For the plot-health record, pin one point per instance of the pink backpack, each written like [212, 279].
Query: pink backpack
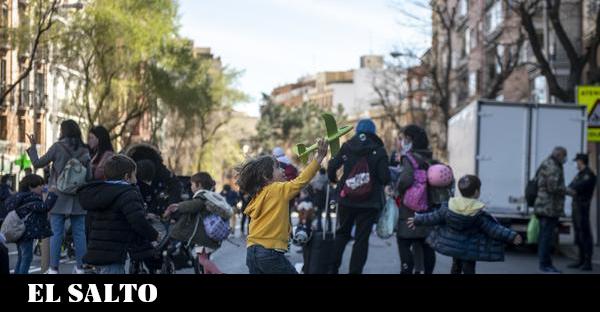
[415, 198]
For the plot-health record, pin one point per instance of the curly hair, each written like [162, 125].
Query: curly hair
[255, 174]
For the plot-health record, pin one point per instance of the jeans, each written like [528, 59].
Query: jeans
[25, 250]
[583, 230]
[364, 218]
[57, 222]
[407, 256]
[462, 266]
[261, 260]
[4, 265]
[116, 268]
[548, 227]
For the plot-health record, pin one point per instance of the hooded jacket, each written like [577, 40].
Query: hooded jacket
[361, 145]
[118, 222]
[466, 232]
[189, 211]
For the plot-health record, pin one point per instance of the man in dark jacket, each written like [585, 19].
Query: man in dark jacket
[119, 217]
[582, 189]
[364, 145]
[550, 205]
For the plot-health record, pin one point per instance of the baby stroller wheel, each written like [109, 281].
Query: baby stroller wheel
[168, 267]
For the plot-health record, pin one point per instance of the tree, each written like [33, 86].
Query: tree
[112, 43]
[578, 61]
[200, 95]
[29, 36]
[447, 21]
[397, 96]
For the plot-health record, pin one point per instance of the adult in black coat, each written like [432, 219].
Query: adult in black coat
[582, 189]
[360, 213]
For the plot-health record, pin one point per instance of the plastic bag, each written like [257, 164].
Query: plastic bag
[533, 230]
[388, 219]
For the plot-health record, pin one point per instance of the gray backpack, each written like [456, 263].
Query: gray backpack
[13, 227]
[73, 175]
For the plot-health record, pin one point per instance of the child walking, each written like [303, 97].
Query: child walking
[466, 232]
[270, 226]
[189, 211]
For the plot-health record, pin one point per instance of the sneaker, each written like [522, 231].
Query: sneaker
[77, 270]
[549, 270]
[51, 271]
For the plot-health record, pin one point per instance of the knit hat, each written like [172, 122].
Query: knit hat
[279, 153]
[366, 126]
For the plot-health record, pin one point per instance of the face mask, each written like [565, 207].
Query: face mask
[406, 147]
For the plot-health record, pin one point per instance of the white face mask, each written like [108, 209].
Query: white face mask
[406, 147]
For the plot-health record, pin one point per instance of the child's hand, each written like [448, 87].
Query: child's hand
[171, 209]
[322, 150]
[518, 240]
[411, 223]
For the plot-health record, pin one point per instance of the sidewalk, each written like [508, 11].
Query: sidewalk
[571, 252]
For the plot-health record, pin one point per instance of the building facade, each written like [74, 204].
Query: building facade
[25, 108]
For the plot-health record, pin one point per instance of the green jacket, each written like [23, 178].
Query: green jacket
[550, 201]
[189, 211]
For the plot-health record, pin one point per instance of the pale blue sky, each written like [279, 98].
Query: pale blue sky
[277, 41]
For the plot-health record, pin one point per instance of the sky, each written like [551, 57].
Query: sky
[275, 42]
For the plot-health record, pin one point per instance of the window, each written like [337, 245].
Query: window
[37, 130]
[473, 39]
[539, 90]
[4, 17]
[24, 91]
[467, 42]
[39, 89]
[500, 55]
[2, 74]
[22, 125]
[3, 128]
[463, 7]
[472, 83]
[494, 17]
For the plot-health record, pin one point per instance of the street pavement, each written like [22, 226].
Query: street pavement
[383, 259]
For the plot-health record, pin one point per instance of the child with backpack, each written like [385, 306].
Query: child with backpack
[202, 221]
[29, 206]
[465, 231]
[270, 226]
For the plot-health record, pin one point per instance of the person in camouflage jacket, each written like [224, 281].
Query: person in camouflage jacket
[549, 205]
[550, 201]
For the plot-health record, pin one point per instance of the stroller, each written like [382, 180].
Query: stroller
[170, 255]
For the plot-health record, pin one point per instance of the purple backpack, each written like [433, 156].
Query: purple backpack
[415, 198]
[216, 227]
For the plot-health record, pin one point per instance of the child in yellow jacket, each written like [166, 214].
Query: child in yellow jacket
[270, 227]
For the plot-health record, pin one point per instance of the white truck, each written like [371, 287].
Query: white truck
[504, 143]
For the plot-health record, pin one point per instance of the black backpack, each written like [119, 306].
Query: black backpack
[531, 191]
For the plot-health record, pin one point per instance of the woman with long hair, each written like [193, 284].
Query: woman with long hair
[101, 150]
[69, 146]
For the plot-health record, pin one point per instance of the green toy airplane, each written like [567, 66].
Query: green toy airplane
[333, 137]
